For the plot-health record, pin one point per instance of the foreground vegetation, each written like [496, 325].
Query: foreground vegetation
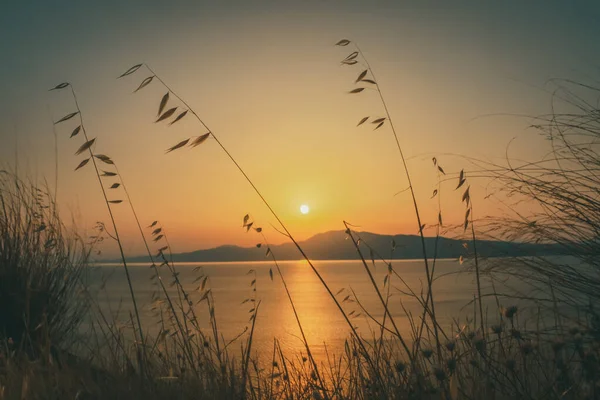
[44, 295]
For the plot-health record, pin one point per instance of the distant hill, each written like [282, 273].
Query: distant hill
[334, 245]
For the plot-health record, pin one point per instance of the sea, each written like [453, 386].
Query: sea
[239, 287]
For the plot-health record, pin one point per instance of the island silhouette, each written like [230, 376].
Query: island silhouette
[336, 245]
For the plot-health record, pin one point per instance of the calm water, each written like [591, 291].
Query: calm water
[230, 284]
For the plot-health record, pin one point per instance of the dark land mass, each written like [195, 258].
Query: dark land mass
[335, 245]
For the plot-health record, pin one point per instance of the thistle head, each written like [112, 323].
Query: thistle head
[497, 329]
[400, 367]
[510, 312]
[427, 353]
[439, 373]
[526, 347]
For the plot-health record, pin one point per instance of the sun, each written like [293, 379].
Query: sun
[304, 209]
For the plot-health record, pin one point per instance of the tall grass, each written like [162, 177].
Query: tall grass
[561, 190]
[367, 77]
[87, 148]
[42, 269]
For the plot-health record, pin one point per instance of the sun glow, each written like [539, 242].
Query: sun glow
[304, 209]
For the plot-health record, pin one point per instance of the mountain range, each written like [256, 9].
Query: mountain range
[336, 245]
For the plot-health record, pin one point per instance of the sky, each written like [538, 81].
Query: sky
[459, 80]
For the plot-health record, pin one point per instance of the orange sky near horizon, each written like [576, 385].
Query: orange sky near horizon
[269, 84]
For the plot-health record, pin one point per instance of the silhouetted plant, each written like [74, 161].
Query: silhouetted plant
[86, 148]
[561, 190]
[367, 77]
[42, 295]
